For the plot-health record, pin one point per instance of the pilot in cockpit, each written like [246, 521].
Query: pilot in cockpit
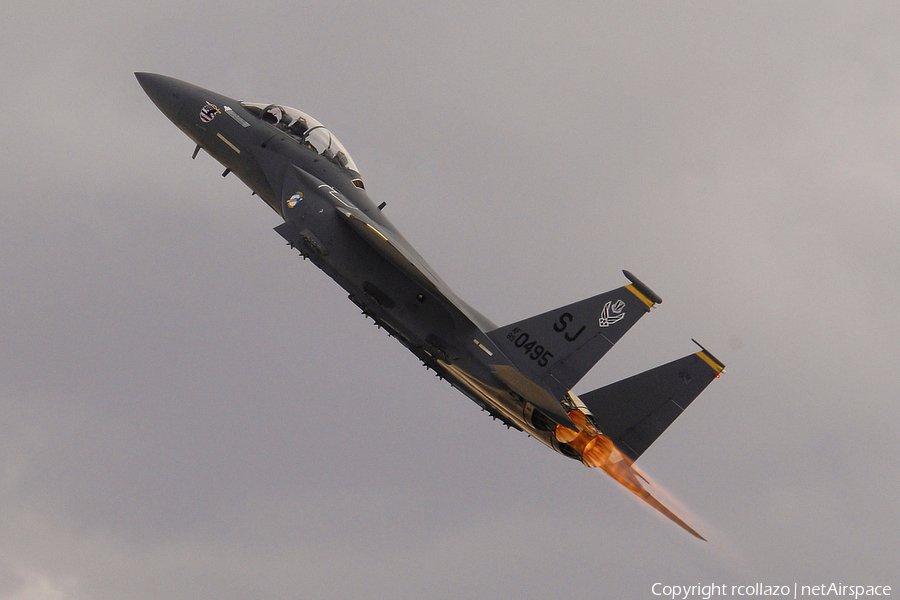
[298, 127]
[306, 131]
[273, 114]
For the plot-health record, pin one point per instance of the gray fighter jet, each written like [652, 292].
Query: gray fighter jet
[522, 373]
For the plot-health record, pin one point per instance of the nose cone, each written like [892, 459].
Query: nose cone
[167, 93]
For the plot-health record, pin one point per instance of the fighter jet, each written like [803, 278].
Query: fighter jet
[522, 373]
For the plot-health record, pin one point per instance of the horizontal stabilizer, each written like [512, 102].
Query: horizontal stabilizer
[557, 348]
[635, 411]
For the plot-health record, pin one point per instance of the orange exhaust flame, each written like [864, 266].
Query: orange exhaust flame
[598, 451]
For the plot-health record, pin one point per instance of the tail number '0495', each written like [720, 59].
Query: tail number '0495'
[533, 350]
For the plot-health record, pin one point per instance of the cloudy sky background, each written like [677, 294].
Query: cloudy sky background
[187, 410]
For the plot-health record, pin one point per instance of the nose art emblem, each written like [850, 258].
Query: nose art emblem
[209, 112]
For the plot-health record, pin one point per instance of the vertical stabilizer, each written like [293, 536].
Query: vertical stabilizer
[635, 411]
[560, 346]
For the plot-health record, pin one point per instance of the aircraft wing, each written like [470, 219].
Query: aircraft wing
[386, 244]
[381, 239]
[385, 241]
[634, 412]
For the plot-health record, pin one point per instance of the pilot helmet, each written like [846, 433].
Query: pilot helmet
[273, 114]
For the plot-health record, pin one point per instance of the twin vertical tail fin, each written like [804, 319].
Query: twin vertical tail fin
[634, 412]
[551, 352]
[557, 348]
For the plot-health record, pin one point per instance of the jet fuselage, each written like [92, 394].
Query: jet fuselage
[521, 373]
[324, 204]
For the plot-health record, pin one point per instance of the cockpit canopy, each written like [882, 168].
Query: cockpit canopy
[305, 130]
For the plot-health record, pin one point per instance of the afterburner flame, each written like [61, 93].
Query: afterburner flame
[598, 451]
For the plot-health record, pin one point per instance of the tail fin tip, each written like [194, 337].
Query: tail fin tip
[717, 365]
[643, 288]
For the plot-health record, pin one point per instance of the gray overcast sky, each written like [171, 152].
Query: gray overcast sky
[187, 410]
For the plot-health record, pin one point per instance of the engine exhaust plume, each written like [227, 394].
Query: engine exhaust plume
[597, 451]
